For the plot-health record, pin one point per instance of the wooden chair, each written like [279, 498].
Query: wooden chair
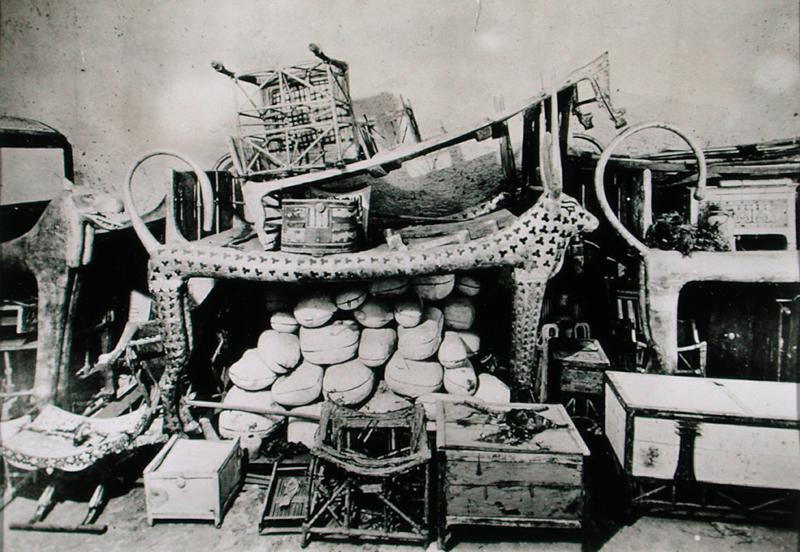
[693, 356]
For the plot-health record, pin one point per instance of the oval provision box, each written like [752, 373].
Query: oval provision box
[234, 423]
[434, 287]
[388, 287]
[348, 383]
[377, 345]
[421, 342]
[331, 344]
[375, 313]
[251, 373]
[301, 387]
[279, 351]
[350, 298]
[452, 352]
[283, 322]
[468, 285]
[412, 378]
[459, 313]
[315, 310]
[408, 311]
[301, 430]
[461, 381]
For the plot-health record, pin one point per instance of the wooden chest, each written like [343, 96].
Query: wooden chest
[321, 226]
[579, 365]
[719, 431]
[535, 483]
[193, 479]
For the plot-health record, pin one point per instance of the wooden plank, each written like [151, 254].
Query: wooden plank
[561, 439]
[511, 521]
[655, 448]
[678, 393]
[743, 400]
[748, 456]
[505, 469]
[615, 418]
[477, 227]
[514, 500]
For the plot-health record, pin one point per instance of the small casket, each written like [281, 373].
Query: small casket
[421, 342]
[279, 351]
[434, 287]
[331, 344]
[192, 479]
[315, 310]
[301, 387]
[348, 383]
[412, 378]
[377, 345]
[251, 373]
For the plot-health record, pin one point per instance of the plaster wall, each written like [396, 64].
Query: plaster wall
[123, 77]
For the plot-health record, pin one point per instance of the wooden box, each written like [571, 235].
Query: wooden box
[538, 483]
[321, 226]
[193, 479]
[703, 445]
[579, 365]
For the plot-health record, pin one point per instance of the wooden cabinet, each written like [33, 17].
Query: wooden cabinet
[670, 433]
[535, 483]
[192, 479]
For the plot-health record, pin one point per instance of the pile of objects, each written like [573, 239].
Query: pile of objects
[375, 346]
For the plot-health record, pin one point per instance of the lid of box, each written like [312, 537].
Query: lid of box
[511, 427]
[579, 352]
[709, 396]
[188, 455]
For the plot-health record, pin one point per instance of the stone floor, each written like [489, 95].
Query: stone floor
[128, 532]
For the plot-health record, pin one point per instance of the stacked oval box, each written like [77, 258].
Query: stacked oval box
[375, 345]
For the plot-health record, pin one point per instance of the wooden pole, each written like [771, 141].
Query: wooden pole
[253, 409]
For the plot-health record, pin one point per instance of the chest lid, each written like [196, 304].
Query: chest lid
[514, 427]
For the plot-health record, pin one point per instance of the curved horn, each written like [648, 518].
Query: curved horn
[148, 240]
[600, 170]
[556, 172]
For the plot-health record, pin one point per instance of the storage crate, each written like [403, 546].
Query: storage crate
[193, 479]
[535, 483]
[686, 443]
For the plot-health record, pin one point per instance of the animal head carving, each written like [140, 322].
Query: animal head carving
[575, 218]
